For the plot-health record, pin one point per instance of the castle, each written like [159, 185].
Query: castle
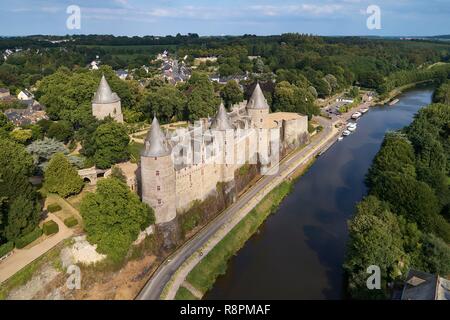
[106, 103]
[184, 165]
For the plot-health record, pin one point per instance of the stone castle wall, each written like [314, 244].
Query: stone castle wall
[103, 110]
[158, 186]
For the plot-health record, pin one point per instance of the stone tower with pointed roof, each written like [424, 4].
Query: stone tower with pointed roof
[158, 175]
[257, 107]
[106, 103]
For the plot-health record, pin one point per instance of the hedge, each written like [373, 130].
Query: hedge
[50, 227]
[70, 221]
[28, 238]
[6, 248]
[54, 207]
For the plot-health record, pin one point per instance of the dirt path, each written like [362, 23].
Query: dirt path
[22, 257]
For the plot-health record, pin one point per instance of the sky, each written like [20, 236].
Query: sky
[225, 17]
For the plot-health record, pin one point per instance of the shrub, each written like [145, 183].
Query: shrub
[70, 221]
[54, 207]
[50, 227]
[28, 238]
[6, 248]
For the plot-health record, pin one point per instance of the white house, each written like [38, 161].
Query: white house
[25, 95]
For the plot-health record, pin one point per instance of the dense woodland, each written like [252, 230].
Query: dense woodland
[294, 71]
[405, 221]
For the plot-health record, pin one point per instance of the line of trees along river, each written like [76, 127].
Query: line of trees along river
[299, 251]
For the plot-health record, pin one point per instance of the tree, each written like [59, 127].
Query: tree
[5, 124]
[111, 144]
[61, 131]
[61, 177]
[22, 217]
[437, 254]
[290, 98]
[21, 135]
[113, 217]
[166, 102]
[232, 93]
[43, 150]
[396, 155]
[442, 94]
[375, 239]
[201, 100]
[20, 206]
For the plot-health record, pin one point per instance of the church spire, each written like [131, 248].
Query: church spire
[104, 93]
[156, 144]
[222, 120]
[257, 100]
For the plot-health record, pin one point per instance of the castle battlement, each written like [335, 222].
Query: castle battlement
[180, 167]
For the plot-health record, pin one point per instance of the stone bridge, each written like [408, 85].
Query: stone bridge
[91, 175]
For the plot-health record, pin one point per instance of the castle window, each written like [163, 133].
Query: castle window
[156, 158]
[157, 172]
[159, 201]
[158, 188]
[261, 120]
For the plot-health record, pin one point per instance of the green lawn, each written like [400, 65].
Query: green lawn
[214, 264]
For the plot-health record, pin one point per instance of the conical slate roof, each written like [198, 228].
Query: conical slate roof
[156, 144]
[104, 93]
[257, 100]
[222, 120]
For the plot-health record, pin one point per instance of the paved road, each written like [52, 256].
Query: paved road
[164, 273]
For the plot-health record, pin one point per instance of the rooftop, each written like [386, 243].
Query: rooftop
[104, 93]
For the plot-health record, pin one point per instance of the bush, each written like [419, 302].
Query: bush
[54, 207]
[6, 248]
[50, 227]
[70, 221]
[28, 238]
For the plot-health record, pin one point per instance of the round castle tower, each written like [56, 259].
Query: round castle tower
[158, 175]
[106, 103]
[257, 107]
[223, 124]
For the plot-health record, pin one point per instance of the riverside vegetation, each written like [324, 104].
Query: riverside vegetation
[404, 222]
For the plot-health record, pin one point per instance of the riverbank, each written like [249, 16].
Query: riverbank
[170, 276]
[399, 90]
[204, 274]
[299, 252]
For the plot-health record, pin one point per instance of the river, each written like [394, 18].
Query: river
[298, 252]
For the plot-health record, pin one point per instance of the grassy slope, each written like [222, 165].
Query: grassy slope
[214, 264]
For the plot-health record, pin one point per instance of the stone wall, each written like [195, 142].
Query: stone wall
[103, 110]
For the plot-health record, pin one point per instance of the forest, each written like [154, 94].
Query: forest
[404, 222]
[294, 71]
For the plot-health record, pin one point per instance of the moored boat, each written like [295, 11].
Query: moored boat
[394, 102]
[356, 115]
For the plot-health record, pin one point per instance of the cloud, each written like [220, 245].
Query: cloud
[298, 9]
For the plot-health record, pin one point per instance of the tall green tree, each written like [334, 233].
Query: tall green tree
[166, 102]
[61, 177]
[375, 239]
[231, 93]
[111, 144]
[201, 99]
[20, 205]
[113, 217]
